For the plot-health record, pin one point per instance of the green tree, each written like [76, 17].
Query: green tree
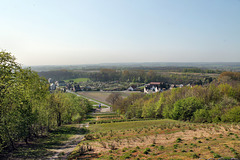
[184, 108]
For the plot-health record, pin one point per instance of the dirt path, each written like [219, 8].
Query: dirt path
[63, 151]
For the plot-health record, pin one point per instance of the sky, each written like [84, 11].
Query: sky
[72, 32]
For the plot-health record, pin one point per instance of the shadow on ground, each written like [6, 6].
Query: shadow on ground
[40, 148]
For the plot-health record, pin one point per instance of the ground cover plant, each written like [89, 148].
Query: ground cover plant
[160, 139]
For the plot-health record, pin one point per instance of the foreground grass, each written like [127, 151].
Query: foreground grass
[41, 148]
[159, 139]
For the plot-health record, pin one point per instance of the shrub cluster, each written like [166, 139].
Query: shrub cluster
[216, 102]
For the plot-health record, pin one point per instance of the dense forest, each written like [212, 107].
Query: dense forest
[218, 101]
[27, 109]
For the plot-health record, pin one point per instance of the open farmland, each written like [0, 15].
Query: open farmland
[159, 139]
[102, 95]
[77, 80]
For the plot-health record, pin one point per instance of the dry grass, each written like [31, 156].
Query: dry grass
[130, 139]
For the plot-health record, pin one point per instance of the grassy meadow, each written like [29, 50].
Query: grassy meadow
[158, 139]
[77, 80]
[101, 96]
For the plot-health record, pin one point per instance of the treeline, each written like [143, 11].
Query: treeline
[216, 102]
[105, 75]
[141, 76]
[131, 75]
[27, 108]
[199, 70]
[59, 75]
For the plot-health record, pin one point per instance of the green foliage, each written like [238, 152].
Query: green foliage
[179, 140]
[215, 155]
[209, 103]
[184, 108]
[147, 150]
[195, 155]
[201, 116]
[78, 80]
[233, 115]
[27, 109]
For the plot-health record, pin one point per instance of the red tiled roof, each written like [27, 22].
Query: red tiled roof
[155, 83]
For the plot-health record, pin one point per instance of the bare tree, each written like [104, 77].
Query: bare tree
[113, 98]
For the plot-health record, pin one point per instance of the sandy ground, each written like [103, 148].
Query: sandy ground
[63, 151]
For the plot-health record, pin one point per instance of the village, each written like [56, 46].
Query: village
[152, 87]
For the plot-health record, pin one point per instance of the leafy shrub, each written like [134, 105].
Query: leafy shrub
[215, 155]
[124, 149]
[179, 140]
[233, 115]
[175, 146]
[184, 108]
[133, 151]
[147, 150]
[161, 147]
[127, 155]
[201, 116]
[195, 155]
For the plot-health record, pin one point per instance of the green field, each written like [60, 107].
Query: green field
[78, 80]
[101, 96]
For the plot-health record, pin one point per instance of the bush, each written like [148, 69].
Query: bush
[147, 150]
[184, 108]
[233, 115]
[201, 116]
[195, 156]
[215, 155]
[179, 140]
[175, 146]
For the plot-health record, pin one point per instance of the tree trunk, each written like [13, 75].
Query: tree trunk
[59, 121]
[10, 139]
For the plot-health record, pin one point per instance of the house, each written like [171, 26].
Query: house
[76, 88]
[52, 86]
[154, 87]
[50, 80]
[69, 86]
[130, 88]
[180, 86]
[60, 83]
[172, 86]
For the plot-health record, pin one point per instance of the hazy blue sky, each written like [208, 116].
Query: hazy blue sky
[40, 32]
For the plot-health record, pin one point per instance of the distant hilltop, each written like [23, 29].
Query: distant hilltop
[230, 66]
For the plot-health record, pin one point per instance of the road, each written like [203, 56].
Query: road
[107, 109]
